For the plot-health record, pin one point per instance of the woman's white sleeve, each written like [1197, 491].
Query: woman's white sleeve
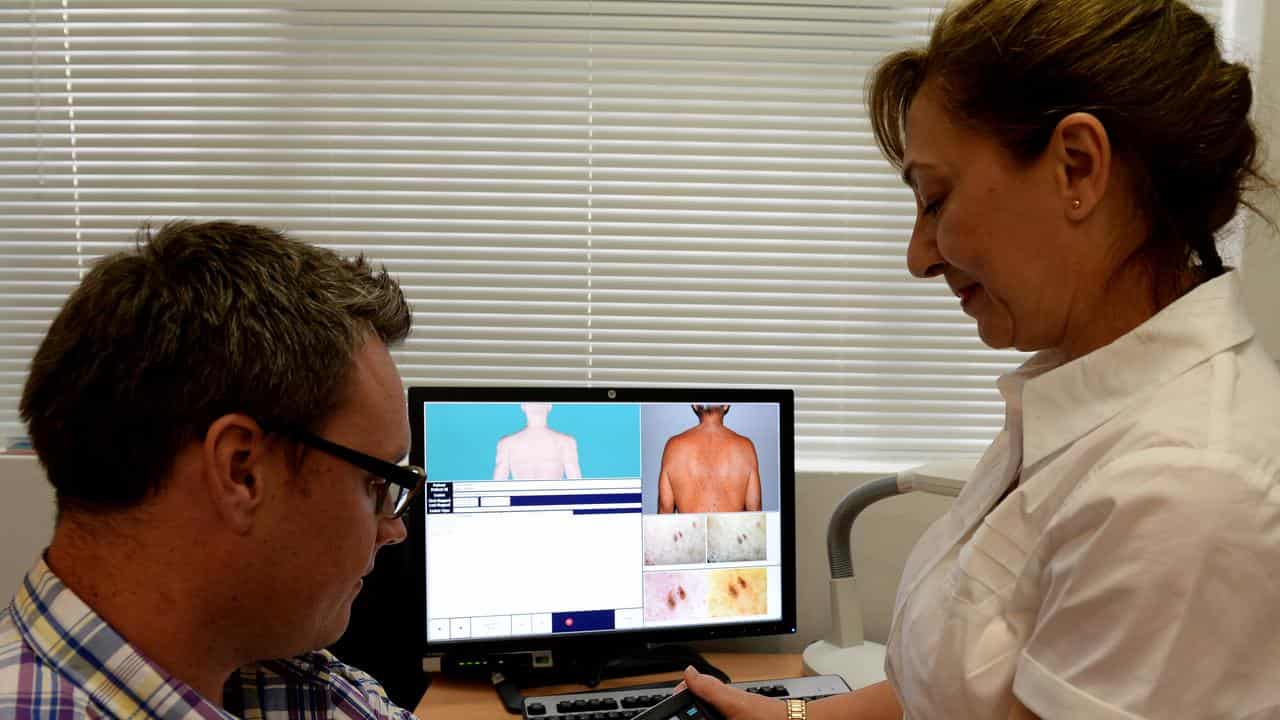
[1160, 587]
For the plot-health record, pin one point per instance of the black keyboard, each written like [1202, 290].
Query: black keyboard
[622, 703]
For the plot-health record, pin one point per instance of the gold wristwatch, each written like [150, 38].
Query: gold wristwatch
[796, 710]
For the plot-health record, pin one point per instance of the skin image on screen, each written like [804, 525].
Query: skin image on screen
[709, 467]
[738, 592]
[735, 537]
[537, 452]
[675, 539]
[675, 595]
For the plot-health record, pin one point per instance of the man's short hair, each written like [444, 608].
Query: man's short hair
[197, 321]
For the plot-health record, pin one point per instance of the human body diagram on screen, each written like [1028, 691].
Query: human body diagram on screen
[537, 452]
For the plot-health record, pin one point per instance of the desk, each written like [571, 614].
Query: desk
[449, 699]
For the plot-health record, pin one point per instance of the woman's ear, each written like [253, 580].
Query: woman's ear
[235, 454]
[1082, 152]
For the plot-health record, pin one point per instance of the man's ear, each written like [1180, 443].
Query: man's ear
[1082, 151]
[235, 457]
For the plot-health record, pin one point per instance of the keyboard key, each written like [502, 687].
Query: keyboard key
[536, 709]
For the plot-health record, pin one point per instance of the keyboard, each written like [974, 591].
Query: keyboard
[626, 702]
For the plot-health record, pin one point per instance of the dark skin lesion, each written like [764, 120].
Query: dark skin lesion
[673, 594]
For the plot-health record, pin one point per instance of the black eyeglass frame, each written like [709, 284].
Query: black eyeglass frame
[409, 477]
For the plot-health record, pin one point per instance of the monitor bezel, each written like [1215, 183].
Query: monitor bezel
[414, 520]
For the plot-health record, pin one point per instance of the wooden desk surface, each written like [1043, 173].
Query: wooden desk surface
[448, 699]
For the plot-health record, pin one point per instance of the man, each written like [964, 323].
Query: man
[537, 452]
[709, 468]
[220, 417]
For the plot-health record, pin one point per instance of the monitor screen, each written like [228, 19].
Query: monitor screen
[554, 514]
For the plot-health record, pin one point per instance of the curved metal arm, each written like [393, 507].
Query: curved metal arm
[839, 554]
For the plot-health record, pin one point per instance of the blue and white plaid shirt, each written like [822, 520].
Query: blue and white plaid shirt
[59, 659]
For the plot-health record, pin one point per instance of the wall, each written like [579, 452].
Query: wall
[26, 519]
[1261, 265]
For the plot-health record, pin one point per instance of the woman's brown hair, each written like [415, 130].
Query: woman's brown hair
[1176, 112]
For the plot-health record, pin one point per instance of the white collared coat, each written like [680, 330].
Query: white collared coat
[1134, 571]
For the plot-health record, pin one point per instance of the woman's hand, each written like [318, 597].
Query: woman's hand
[733, 703]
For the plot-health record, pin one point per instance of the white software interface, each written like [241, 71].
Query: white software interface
[545, 518]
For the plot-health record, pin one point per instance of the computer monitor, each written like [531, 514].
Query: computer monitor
[563, 526]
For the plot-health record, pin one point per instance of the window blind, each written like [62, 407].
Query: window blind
[607, 193]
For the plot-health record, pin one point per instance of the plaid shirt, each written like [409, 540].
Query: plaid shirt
[58, 659]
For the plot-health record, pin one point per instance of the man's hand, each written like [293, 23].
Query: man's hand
[733, 703]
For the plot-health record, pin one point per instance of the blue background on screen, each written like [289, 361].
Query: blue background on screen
[462, 438]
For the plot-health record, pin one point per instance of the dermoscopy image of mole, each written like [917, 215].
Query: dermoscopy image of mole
[738, 592]
[675, 539]
[736, 537]
[709, 468]
[692, 594]
[675, 595]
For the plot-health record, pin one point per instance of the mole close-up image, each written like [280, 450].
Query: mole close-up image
[735, 537]
[675, 539]
[735, 592]
[675, 595]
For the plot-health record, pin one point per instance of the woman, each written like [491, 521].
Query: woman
[1117, 551]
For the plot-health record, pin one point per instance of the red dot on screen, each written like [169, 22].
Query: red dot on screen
[568, 622]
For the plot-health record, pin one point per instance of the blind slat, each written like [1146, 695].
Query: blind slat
[615, 192]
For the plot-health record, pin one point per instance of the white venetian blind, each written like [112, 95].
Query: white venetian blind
[601, 192]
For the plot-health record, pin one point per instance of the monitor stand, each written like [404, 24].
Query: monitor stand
[590, 669]
[647, 659]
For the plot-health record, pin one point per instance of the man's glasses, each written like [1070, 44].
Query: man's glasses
[407, 479]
